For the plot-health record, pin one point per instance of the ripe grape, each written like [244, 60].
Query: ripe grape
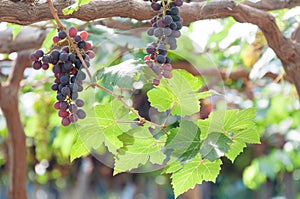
[55, 39]
[79, 102]
[81, 114]
[65, 121]
[62, 34]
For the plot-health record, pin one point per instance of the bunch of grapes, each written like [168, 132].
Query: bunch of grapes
[166, 28]
[67, 69]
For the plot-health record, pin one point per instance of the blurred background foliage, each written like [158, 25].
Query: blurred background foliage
[268, 170]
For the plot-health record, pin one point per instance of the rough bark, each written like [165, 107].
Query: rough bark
[16, 136]
[136, 9]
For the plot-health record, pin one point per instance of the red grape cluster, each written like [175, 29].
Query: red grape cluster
[166, 28]
[67, 71]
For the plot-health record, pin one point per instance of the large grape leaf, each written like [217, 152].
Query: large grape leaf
[184, 141]
[122, 75]
[78, 150]
[113, 119]
[194, 172]
[215, 146]
[139, 148]
[237, 125]
[179, 90]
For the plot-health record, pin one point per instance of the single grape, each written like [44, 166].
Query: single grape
[63, 106]
[167, 67]
[78, 64]
[160, 59]
[174, 11]
[57, 105]
[73, 108]
[68, 65]
[63, 113]
[88, 46]
[155, 6]
[54, 87]
[158, 32]
[156, 69]
[173, 26]
[74, 87]
[64, 80]
[65, 49]
[63, 57]
[80, 75]
[84, 35]
[45, 66]
[46, 59]
[79, 102]
[168, 60]
[65, 91]
[72, 32]
[71, 57]
[55, 54]
[74, 95]
[168, 20]
[150, 49]
[176, 18]
[39, 53]
[37, 65]
[81, 114]
[90, 54]
[150, 31]
[156, 82]
[60, 97]
[160, 24]
[81, 44]
[62, 34]
[176, 34]
[77, 38]
[65, 121]
[80, 88]
[33, 57]
[56, 69]
[73, 118]
[167, 31]
[55, 39]
[179, 25]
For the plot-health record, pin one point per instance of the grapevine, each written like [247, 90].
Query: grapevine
[166, 28]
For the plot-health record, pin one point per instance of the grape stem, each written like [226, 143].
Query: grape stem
[169, 115]
[62, 27]
[94, 84]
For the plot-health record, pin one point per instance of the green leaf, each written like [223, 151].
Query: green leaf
[172, 166]
[184, 141]
[113, 119]
[180, 89]
[238, 125]
[139, 148]
[70, 9]
[121, 75]
[48, 40]
[78, 150]
[194, 172]
[215, 146]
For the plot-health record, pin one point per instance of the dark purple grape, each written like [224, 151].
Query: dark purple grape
[168, 60]
[64, 106]
[74, 87]
[39, 53]
[173, 26]
[150, 49]
[158, 32]
[65, 121]
[54, 87]
[156, 69]
[168, 20]
[68, 65]
[63, 57]
[71, 57]
[45, 66]
[179, 25]
[78, 64]
[37, 65]
[77, 38]
[64, 80]
[81, 44]
[60, 97]
[156, 82]
[79, 102]
[33, 57]
[160, 59]
[74, 95]
[176, 34]
[72, 108]
[81, 114]
[65, 91]
[73, 118]
[155, 6]
[56, 69]
[80, 88]
[167, 67]
[80, 76]
[160, 23]
[55, 54]
[46, 59]
[62, 34]
[167, 31]
[176, 18]
[150, 31]
[174, 11]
